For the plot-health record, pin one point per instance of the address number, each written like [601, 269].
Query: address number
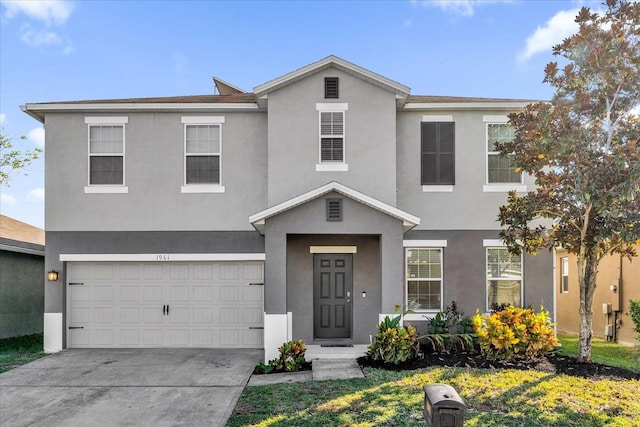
[162, 257]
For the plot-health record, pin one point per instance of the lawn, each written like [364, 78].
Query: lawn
[20, 350]
[502, 397]
[602, 351]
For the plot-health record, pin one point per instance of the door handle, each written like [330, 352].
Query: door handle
[164, 310]
[167, 309]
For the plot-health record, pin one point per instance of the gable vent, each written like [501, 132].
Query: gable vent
[330, 87]
[334, 209]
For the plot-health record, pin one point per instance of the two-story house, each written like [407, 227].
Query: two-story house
[307, 210]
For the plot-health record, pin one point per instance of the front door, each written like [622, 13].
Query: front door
[332, 295]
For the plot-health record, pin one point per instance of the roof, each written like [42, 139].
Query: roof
[258, 220]
[20, 231]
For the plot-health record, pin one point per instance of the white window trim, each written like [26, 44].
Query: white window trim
[564, 263]
[426, 244]
[333, 107]
[437, 188]
[498, 187]
[201, 120]
[106, 121]
[434, 118]
[486, 278]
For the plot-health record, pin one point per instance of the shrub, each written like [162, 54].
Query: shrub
[515, 333]
[291, 358]
[449, 330]
[634, 312]
[394, 343]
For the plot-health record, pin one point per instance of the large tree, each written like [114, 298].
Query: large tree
[12, 159]
[582, 148]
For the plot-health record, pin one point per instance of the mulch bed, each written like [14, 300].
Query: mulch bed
[551, 363]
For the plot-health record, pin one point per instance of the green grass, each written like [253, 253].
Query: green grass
[494, 398]
[20, 350]
[604, 352]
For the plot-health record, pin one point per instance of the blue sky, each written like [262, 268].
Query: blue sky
[72, 50]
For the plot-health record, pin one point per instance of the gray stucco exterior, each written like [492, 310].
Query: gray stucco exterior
[270, 170]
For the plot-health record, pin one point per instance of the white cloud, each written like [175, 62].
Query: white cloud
[49, 12]
[560, 26]
[458, 7]
[36, 195]
[36, 135]
[35, 38]
[3, 118]
[7, 200]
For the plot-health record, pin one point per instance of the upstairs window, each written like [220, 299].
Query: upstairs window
[330, 87]
[500, 169]
[202, 154]
[437, 153]
[106, 154]
[332, 136]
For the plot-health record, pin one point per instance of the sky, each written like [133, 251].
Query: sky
[78, 50]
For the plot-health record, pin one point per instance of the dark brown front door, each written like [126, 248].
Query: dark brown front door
[332, 295]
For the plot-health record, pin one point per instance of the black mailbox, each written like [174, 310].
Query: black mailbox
[443, 406]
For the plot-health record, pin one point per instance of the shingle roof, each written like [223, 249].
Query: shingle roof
[187, 99]
[447, 99]
[20, 231]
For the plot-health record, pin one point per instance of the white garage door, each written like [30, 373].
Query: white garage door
[164, 304]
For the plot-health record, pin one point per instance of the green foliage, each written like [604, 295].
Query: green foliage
[17, 351]
[582, 149]
[12, 159]
[634, 313]
[449, 330]
[394, 343]
[515, 333]
[291, 358]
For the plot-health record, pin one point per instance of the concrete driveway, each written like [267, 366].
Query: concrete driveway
[127, 387]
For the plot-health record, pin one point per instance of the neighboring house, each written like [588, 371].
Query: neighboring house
[618, 282]
[307, 209]
[21, 275]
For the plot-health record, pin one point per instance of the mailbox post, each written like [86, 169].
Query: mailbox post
[443, 406]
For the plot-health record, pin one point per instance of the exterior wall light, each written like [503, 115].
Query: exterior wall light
[52, 276]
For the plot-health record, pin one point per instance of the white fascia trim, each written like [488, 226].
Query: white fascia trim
[202, 188]
[18, 249]
[203, 120]
[332, 167]
[335, 106]
[463, 105]
[333, 249]
[437, 118]
[424, 243]
[487, 243]
[162, 257]
[504, 188]
[106, 120]
[106, 189]
[495, 119]
[437, 188]
[409, 221]
[133, 106]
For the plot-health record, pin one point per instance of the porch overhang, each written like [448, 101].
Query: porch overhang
[408, 221]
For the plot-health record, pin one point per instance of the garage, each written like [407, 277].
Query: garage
[215, 304]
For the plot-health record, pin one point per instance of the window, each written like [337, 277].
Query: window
[331, 87]
[332, 137]
[564, 279]
[424, 278]
[500, 169]
[106, 154]
[437, 153]
[504, 278]
[202, 154]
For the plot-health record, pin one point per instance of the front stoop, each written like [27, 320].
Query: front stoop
[322, 370]
[319, 352]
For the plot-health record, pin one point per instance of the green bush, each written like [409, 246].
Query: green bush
[515, 333]
[291, 358]
[634, 312]
[449, 330]
[394, 343]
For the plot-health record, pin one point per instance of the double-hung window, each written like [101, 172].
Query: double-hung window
[424, 278]
[437, 153]
[106, 154]
[202, 154]
[504, 278]
[332, 137]
[501, 170]
[564, 284]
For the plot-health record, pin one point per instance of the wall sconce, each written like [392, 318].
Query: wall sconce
[52, 276]
[364, 294]
[613, 288]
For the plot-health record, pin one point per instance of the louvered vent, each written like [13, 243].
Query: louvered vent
[330, 87]
[334, 209]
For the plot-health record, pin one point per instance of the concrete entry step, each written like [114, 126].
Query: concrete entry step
[321, 352]
[336, 369]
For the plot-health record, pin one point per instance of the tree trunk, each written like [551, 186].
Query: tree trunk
[587, 270]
